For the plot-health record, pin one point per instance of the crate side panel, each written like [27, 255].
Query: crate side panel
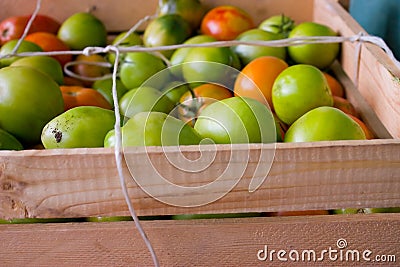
[221, 242]
[381, 89]
[370, 68]
[302, 177]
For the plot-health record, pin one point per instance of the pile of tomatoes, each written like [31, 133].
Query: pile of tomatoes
[226, 93]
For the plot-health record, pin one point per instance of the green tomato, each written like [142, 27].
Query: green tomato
[174, 90]
[248, 53]
[319, 55]
[8, 47]
[366, 210]
[154, 129]
[169, 29]
[209, 64]
[48, 65]
[280, 130]
[104, 86]
[81, 30]
[324, 124]
[179, 54]
[137, 67]
[278, 24]
[83, 126]
[144, 99]
[237, 120]
[131, 40]
[191, 10]
[9, 142]
[298, 89]
[28, 100]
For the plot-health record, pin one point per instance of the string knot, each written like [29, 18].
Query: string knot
[90, 50]
[357, 37]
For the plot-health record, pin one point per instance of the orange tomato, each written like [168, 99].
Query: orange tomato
[226, 22]
[257, 77]
[75, 96]
[335, 86]
[50, 42]
[344, 105]
[90, 67]
[368, 133]
[204, 94]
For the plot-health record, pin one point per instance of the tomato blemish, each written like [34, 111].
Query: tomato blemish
[57, 135]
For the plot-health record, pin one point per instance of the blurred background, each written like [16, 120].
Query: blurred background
[378, 17]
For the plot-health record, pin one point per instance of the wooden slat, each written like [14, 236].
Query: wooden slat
[210, 242]
[84, 182]
[381, 89]
[373, 72]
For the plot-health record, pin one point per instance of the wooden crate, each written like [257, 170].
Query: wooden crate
[76, 183]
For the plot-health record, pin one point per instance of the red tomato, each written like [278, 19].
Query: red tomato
[226, 22]
[13, 27]
[75, 96]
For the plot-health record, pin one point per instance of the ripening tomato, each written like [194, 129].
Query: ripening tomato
[203, 95]
[226, 22]
[335, 86]
[367, 131]
[344, 105]
[75, 96]
[13, 27]
[50, 42]
[257, 78]
[89, 67]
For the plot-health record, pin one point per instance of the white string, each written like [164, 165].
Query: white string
[118, 158]
[90, 63]
[382, 44]
[134, 28]
[117, 127]
[357, 59]
[358, 38]
[27, 27]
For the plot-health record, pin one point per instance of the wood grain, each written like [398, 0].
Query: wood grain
[84, 182]
[372, 71]
[207, 242]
